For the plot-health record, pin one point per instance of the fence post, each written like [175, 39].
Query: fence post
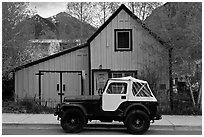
[39, 86]
[170, 79]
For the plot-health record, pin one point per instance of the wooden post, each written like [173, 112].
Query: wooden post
[170, 79]
[13, 92]
[82, 85]
[61, 87]
[39, 85]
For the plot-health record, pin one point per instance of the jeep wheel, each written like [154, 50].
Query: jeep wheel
[73, 121]
[137, 122]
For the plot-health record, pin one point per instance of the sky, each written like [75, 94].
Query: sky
[47, 9]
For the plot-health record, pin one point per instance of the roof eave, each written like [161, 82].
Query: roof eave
[50, 57]
[106, 23]
[134, 17]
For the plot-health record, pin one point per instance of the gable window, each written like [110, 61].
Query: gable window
[123, 40]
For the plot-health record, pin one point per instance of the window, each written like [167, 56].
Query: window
[117, 88]
[118, 74]
[123, 40]
[141, 90]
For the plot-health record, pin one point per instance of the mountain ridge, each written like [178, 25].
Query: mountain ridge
[60, 26]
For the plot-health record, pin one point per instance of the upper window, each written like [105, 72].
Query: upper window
[123, 40]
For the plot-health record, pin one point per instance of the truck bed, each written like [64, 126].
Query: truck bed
[82, 98]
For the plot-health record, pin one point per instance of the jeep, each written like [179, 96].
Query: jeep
[126, 99]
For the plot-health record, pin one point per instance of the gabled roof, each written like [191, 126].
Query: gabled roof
[50, 57]
[123, 7]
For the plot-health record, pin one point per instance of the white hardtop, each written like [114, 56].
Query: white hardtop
[137, 90]
[129, 78]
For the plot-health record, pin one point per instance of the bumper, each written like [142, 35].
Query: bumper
[158, 117]
[58, 111]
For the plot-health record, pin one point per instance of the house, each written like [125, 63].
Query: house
[122, 46]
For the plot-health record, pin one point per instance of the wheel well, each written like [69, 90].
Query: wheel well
[64, 108]
[137, 107]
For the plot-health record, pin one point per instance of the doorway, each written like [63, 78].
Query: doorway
[57, 84]
[99, 80]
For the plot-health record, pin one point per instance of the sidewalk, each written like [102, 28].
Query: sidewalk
[49, 121]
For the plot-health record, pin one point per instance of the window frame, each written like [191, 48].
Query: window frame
[116, 39]
[141, 91]
[113, 93]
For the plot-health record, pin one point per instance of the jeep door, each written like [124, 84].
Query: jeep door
[114, 94]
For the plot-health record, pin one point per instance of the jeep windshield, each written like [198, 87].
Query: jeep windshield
[141, 90]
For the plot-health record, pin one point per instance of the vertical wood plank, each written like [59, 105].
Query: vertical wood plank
[103, 48]
[114, 54]
[30, 82]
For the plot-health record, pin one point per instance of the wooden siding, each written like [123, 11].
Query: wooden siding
[26, 83]
[147, 51]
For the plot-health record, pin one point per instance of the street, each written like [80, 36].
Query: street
[95, 131]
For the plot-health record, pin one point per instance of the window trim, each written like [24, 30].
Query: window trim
[123, 72]
[116, 39]
[143, 91]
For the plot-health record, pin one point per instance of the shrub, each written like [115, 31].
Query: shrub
[185, 108]
[25, 106]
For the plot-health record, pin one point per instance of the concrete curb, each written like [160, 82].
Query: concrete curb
[177, 127]
[29, 126]
[99, 126]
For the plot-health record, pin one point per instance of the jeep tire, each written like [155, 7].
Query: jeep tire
[137, 122]
[73, 121]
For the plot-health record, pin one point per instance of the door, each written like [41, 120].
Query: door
[114, 95]
[55, 85]
[100, 78]
[71, 84]
[49, 93]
